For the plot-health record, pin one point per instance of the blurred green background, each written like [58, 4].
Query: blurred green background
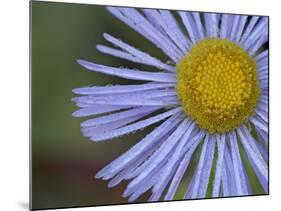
[63, 161]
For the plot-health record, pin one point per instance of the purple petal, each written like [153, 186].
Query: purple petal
[249, 28]
[139, 23]
[253, 152]
[172, 28]
[116, 89]
[258, 44]
[206, 171]
[226, 25]
[128, 73]
[262, 55]
[218, 172]
[239, 28]
[199, 25]
[259, 123]
[140, 56]
[171, 165]
[118, 116]
[238, 166]
[190, 25]
[140, 148]
[149, 97]
[204, 151]
[92, 131]
[228, 165]
[258, 31]
[135, 126]
[162, 153]
[211, 24]
[183, 166]
[97, 109]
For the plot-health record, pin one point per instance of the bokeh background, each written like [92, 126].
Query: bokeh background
[63, 161]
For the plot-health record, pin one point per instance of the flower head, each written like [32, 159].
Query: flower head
[212, 96]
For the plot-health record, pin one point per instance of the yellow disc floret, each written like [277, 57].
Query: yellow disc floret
[217, 84]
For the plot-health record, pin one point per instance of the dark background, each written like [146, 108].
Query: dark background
[63, 161]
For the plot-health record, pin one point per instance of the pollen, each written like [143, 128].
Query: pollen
[217, 84]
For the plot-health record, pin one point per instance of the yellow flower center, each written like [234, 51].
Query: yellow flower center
[217, 84]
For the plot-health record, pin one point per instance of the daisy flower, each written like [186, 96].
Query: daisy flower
[211, 96]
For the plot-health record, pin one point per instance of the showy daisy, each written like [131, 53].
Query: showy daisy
[212, 96]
